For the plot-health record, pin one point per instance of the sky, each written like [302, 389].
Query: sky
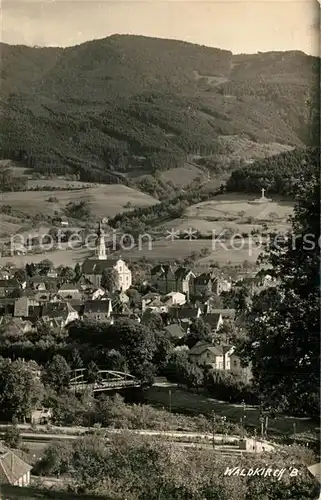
[242, 26]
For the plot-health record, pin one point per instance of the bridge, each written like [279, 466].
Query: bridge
[107, 380]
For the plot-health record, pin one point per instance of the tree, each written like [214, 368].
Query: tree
[66, 273]
[77, 272]
[56, 459]
[57, 373]
[77, 361]
[20, 275]
[284, 338]
[20, 390]
[137, 344]
[12, 437]
[92, 373]
[45, 266]
[110, 280]
[199, 332]
[31, 269]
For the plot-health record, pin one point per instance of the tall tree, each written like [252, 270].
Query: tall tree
[199, 332]
[110, 280]
[284, 340]
[20, 390]
[57, 373]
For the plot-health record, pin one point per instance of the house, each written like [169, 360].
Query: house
[13, 470]
[148, 298]
[227, 314]
[69, 291]
[185, 281]
[8, 286]
[175, 298]
[185, 312]
[183, 316]
[44, 284]
[163, 278]
[205, 354]
[157, 306]
[17, 326]
[99, 310]
[41, 416]
[5, 274]
[215, 321]
[315, 471]
[96, 293]
[203, 284]
[58, 314]
[175, 331]
[27, 307]
[221, 285]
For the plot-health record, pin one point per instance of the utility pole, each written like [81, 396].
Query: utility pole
[243, 418]
[213, 428]
[266, 425]
[170, 400]
[262, 426]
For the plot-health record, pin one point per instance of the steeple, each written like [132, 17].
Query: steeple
[101, 247]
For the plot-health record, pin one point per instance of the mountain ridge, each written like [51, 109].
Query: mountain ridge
[108, 106]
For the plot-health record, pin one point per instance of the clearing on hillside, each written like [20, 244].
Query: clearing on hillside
[229, 206]
[182, 176]
[233, 212]
[104, 201]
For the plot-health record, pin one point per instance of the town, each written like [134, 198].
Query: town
[159, 251]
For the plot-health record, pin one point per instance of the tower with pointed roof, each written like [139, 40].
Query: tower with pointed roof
[101, 247]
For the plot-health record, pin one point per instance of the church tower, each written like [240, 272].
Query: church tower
[101, 247]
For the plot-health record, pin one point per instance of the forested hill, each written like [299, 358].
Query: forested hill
[110, 106]
[280, 174]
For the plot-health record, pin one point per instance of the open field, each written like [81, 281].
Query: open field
[158, 250]
[104, 201]
[233, 212]
[8, 224]
[182, 176]
[206, 226]
[180, 249]
[200, 404]
[58, 257]
[237, 205]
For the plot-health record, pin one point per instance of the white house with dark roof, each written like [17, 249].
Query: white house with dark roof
[206, 354]
[13, 470]
[174, 299]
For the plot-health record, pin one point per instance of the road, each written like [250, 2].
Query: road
[65, 433]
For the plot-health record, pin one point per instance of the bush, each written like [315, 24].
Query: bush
[227, 387]
[12, 437]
